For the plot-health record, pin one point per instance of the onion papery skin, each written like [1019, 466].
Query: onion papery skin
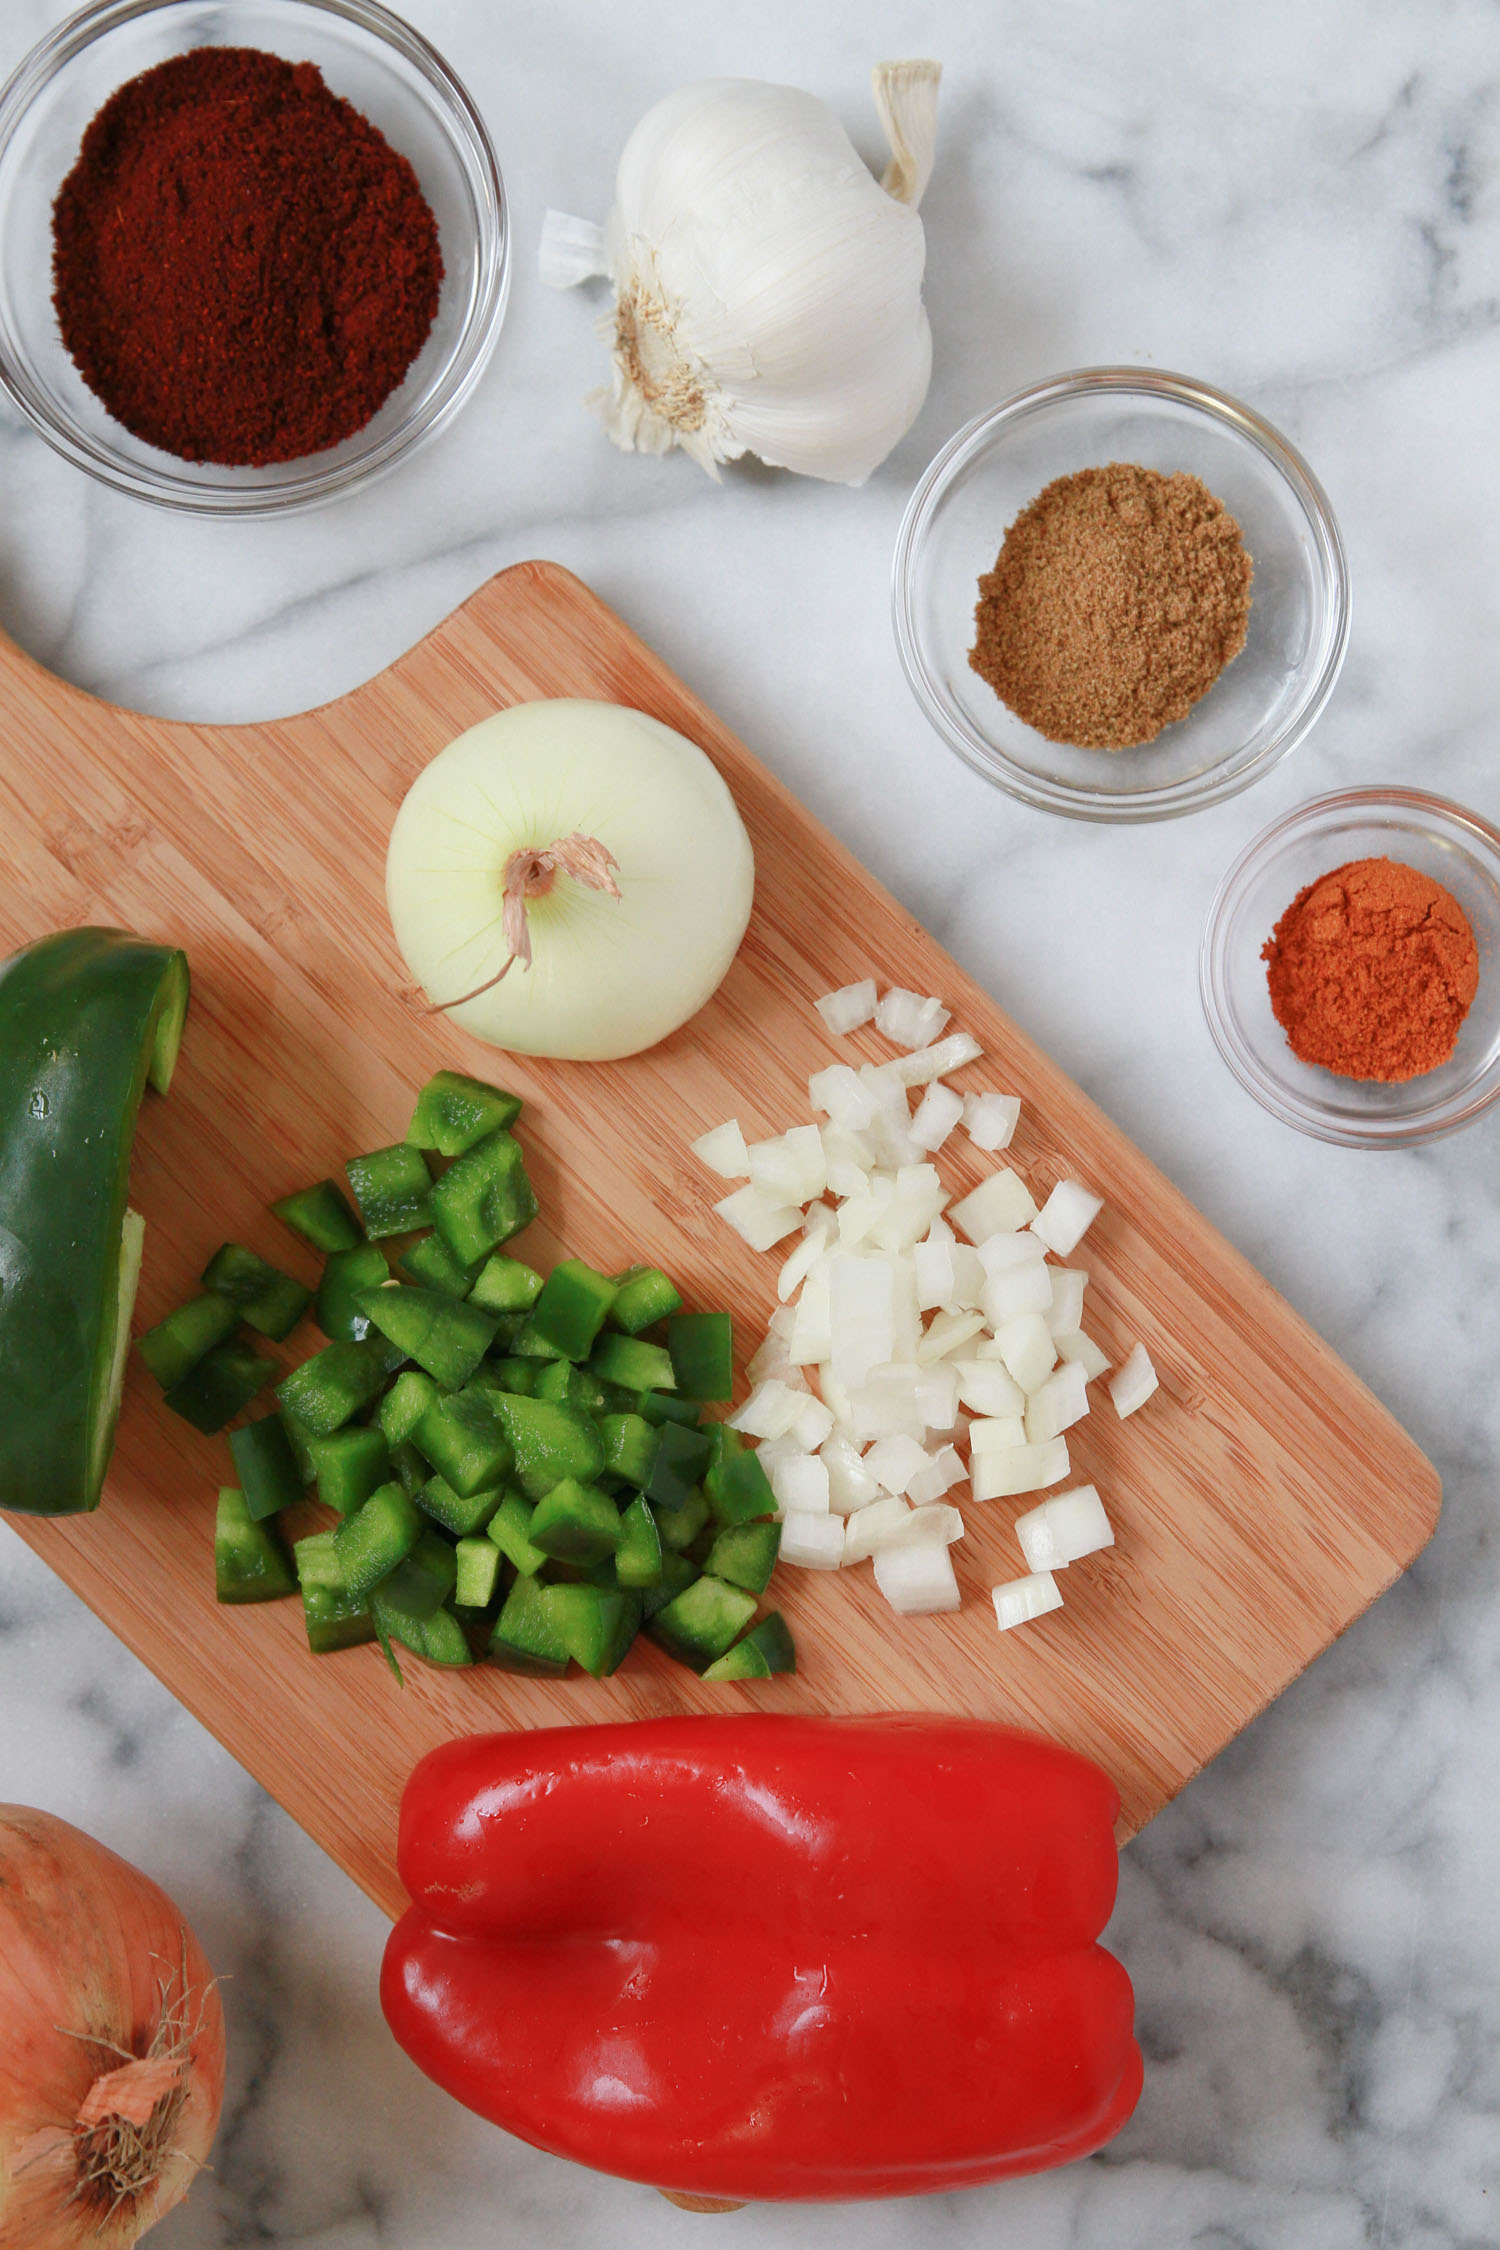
[609, 977]
[86, 1943]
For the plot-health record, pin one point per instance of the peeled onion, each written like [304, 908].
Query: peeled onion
[609, 975]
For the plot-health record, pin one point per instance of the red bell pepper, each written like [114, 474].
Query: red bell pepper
[769, 1958]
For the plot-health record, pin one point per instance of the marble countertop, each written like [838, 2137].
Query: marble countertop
[1300, 203]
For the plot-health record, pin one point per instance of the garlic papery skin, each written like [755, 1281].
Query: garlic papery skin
[768, 289]
[608, 975]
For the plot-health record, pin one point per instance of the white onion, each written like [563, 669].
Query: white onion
[1019, 1468]
[842, 1095]
[816, 1542]
[608, 975]
[932, 1262]
[769, 1411]
[987, 1386]
[873, 1528]
[894, 1461]
[938, 1112]
[998, 1205]
[943, 1471]
[927, 1063]
[790, 1168]
[1007, 1296]
[1066, 1216]
[1022, 1599]
[1064, 1315]
[1064, 1529]
[909, 1019]
[813, 1426]
[818, 1228]
[947, 1332]
[758, 1221]
[1056, 1405]
[811, 1338]
[1028, 1351]
[800, 1484]
[1001, 1254]
[917, 1581]
[850, 1484]
[847, 1157]
[990, 1120]
[845, 1010]
[937, 1395]
[723, 1150]
[997, 1433]
[1084, 1352]
[886, 1405]
[1134, 1382]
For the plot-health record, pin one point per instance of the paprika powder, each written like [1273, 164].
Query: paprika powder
[243, 267]
[1372, 970]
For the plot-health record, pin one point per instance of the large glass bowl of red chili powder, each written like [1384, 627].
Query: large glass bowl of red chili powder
[361, 146]
[1288, 868]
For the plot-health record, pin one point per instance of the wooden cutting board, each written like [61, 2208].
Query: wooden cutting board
[1261, 1500]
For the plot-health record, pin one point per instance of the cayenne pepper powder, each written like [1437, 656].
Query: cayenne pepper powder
[1116, 601]
[1372, 970]
[243, 267]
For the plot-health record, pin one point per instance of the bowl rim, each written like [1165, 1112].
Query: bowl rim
[1173, 800]
[1288, 1109]
[450, 99]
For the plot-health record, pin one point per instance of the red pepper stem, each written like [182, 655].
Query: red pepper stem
[530, 874]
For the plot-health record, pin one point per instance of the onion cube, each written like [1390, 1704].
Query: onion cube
[834, 1395]
[986, 1386]
[848, 1158]
[996, 1433]
[813, 1426]
[910, 1019]
[1028, 1351]
[991, 1119]
[1022, 1599]
[861, 1213]
[874, 1527]
[810, 1341]
[1065, 1313]
[968, 1278]
[791, 1168]
[769, 1411]
[927, 1063]
[1064, 1529]
[1080, 1350]
[937, 1395]
[1065, 1217]
[943, 1471]
[942, 1525]
[894, 1461]
[800, 1483]
[723, 1150]
[845, 1010]
[886, 1405]
[1006, 1296]
[999, 1205]
[938, 1112]
[842, 1095]
[1007, 1253]
[1019, 1468]
[773, 1359]
[932, 1262]
[810, 1251]
[816, 1542]
[948, 1332]
[917, 1580]
[862, 1314]
[1061, 1401]
[1133, 1384]
[850, 1484]
[757, 1220]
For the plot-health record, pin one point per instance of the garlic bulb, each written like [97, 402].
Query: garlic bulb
[569, 878]
[768, 290]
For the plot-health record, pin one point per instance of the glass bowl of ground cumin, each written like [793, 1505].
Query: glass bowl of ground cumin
[1131, 427]
[1350, 967]
[364, 263]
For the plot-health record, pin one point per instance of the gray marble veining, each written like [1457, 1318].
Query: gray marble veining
[1299, 201]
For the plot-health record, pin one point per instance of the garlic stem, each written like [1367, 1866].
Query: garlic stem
[531, 874]
[906, 97]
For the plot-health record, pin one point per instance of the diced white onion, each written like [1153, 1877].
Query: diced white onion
[769, 1411]
[791, 1168]
[1006, 1296]
[816, 1542]
[848, 1157]
[948, 1332]
[862, 1316]
[834, 1395]
[723, 1150]
[886, 1405]
[933, 1265]
[909, 1019]
[1022, 1599]
[944, 1470]
[943, 1525]
[845, 1010]
[1082, 1351]
[1007, 1253]
[1060, 1402]
[810, 1251]
[996, 1433]
[800, 1483]
[986, 1386]
[842, 1095]
[968, 1278]
[1064, 1316]
[998, 1205]
[1134, 1382]
[937, 1395]
[1019, 1468]
[810, 1341]
[990, 1120]
[861, 1213]
[1028, 1351]
[772, 1358]
[813, 1425]
[874, 1527]
[894, 1461]
[938, 1112]
[758, 1221]
[917, 1580]
[1066, 1216]
[927, 1063]
[1064, 1529]
[850, 1484]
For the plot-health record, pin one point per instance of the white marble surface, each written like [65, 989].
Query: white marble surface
[1299, 201]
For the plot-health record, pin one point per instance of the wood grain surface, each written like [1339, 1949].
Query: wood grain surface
[1261, 1500]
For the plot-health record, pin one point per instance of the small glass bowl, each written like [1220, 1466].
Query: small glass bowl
[1456, 848]
[372, 59]
[1266, 699]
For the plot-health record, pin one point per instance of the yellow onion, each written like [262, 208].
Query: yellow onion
[111, 2043]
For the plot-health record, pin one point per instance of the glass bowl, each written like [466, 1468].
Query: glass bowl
[386, 70]
[1265, 700]
[1456, 848]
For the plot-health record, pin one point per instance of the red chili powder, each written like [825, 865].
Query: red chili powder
[243, 267]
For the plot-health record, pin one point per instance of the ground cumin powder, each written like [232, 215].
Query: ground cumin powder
[1116, 601]
[1372, 970]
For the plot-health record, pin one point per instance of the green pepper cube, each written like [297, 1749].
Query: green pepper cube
[681, 1458]
[411, 1470]
[596, 1624]
[643, 1296]
[529, 1343]
[378, 1535]
[432, 1265]
[301, 1440]
[333, 1616]
[252, 1561]
[766, 1649]
[404, 1404]
[330, 1388]
[660, 1407]
[576, 1523]
[630, 1445]
[393, 1189]
[703, 1621]
[464, 1515]
[268, 1470]
[744, 1554]
[518, 1376]
[454, 1113]
[484, 1199]
[701, 1349]
[527, 1636]
[478, 1564]
[571, 1308]
[438, 1639]
[573, 1386]
[739, 1489]
[220, 1386]
[265, 1298]
[346, 1275]
[349, 1466]
[679, 1527]
[505, 1285]
[677, 1573]
[173, 1348]
[322, 1216]
[550, 1442]
[445, 1336]
[632, 1364]
[465, 1441]
[638, 1557]
[510, 1529]
[421, 1583]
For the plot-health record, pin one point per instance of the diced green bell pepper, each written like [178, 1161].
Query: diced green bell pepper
[404, 1404]
[572, 1307]
[701, 1349]
[412, 1470]
[173, 1348]
[677, 1573]
[576, 1523]
[570, 1386]
[639, 1555]
[268, 1470]
[596, 1623]
[266, 1299]
[636, 1366]
[426, 1578]
[379, 1534]
[330, 1388]
[300, 1438]
[438, 1639]
[465, 1441]
[346, 1275]
[660, 1407]
[393, 1189]
[478, 1562]
[321, 1214]
[252, 1561]
[332, 1615]
[767, 1648]
[550, 1442]
[527, 1637]
[484, 1199]
[454, 1113]
[630, 1445]
[702, 1622]
[350, 1466]
[509, 1528]
[505, 1285]
[465, 1515]
[739, 1489]
[680, 1460]
[744, 1554]
[220, 1386]
[643, 1296]
[447, 1337]
[679, 1527]
[518, 1376]
[432, 1265]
